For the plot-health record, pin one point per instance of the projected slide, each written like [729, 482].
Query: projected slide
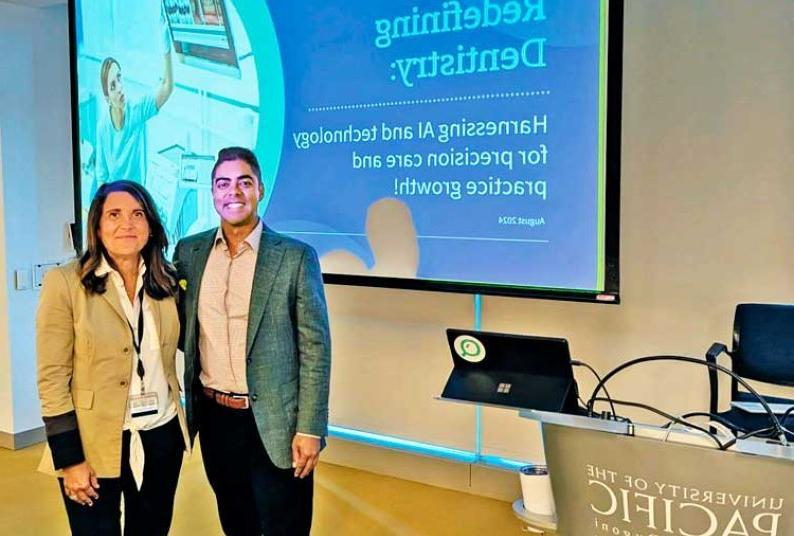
[441, 141]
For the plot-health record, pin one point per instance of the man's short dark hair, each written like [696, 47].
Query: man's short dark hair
[228, 154]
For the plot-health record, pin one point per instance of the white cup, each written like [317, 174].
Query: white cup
[536, 490]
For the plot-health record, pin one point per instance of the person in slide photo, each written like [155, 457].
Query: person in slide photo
[121, 132]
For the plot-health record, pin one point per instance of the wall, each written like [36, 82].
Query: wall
[6, 401]
[37, 188]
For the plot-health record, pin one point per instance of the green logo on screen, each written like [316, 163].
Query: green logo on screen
[469, 348]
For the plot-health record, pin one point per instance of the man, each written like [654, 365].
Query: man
[257, 357]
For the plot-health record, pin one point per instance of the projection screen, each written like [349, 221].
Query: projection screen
[453, 145]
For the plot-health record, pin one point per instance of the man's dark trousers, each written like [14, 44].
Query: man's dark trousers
[254, 496]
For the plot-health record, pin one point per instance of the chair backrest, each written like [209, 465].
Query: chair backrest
[763, 342]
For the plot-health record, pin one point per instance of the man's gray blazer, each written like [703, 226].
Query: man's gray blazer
[288, 343]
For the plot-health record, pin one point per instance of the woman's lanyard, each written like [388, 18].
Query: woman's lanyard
[137, 342]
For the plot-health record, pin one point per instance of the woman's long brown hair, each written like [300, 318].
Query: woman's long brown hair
[159, 281]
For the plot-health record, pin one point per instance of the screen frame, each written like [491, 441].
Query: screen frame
[613, 142]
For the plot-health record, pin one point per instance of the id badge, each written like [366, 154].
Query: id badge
[144, 404]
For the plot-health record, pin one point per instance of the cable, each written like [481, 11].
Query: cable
[577, 363]
[754, 433]
[716, 417]
[744, 432]
[725, 430]
[772, 417]
[666, 416]
[761, 432]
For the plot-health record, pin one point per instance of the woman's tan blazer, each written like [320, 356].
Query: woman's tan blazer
[85, 359]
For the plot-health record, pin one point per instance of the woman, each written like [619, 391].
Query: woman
[106, 335]
[121, 140]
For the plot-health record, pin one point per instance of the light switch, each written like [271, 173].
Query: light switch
[22, 279]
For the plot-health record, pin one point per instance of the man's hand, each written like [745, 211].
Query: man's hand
[305, 454]
[80, 483]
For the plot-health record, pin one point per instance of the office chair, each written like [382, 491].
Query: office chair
[763, 350]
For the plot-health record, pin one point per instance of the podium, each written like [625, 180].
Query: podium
[624, 479]
[618, 478]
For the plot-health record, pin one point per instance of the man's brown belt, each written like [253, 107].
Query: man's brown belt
[229, 400]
